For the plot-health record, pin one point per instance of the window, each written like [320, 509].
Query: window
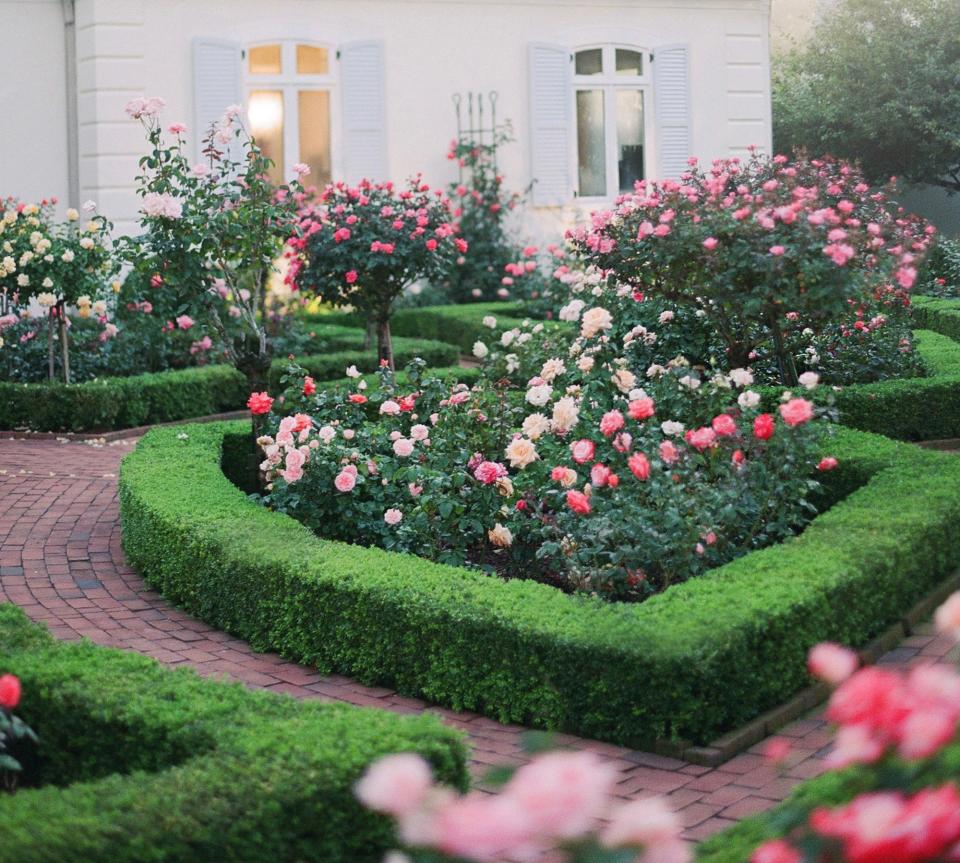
[611, 97]
[288, 90]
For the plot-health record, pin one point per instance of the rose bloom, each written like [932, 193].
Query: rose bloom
[639, 466]
[741, 377]
[624, 380]
[403, 447]
[641, 409]
[535, 426]
[396, 784]
[724, 425]
[776, 851]
[647, 822]
[832, 662]
[668, 452]
[552, 368]
[600, 475]
[539, 394]
[259, 403]
[390, 408]
[578, 502]
[611, 423]
[566, 476]
[701, 438]
[595, 321]
[565, 414]
[393, 516]
[488, 472]
[582, 451]
[947, 617]
[796, 412]
[9, 691]
[827, 463]
[521, 452]
[345, 481]
[763, 426]
[809, 380]
[357, 398]
[309, 386]
[500, 536]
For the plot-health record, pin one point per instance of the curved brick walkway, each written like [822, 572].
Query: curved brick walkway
[61, 561]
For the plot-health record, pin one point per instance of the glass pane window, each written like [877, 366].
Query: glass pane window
[314, 113]
[265, 112]
[629, 138]
[589, 62]
[265, 60]
[629, 62]
[312, 60]
[591, 144]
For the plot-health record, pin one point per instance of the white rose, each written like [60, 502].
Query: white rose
[565, 414]
[741, 377]
[490, 321]
[538, 396]
[535, 426]
[671, 428]
[595, 321]
[551, 368]
[809, 380]
[480, 350]
[748, 399]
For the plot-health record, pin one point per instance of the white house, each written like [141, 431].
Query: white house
[599, 92]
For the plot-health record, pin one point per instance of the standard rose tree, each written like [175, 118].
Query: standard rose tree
[763, 250]
[363, 245]
[213, 232]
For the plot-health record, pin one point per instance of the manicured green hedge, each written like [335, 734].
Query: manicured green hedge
[460, 325]
[332, 365]
[116, 403]
[939, 314]
[701, 658]
[140, 763]
[832, 789]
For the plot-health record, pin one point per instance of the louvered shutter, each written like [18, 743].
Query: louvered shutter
[364, 111]
[217, 84]
[550, 126]
[671, 97]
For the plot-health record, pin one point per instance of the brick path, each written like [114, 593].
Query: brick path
[61, 561]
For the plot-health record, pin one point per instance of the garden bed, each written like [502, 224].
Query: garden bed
[699, 659]
[138, 762]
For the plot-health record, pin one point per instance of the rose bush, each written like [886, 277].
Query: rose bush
[558, 464]
[769, 253]
[363, 245]
[65, 267]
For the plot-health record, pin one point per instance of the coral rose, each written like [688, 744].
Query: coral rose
[639, 466]
[259, 403]
[578, 502]
[763, 426]
[796, 412]
[583, 451]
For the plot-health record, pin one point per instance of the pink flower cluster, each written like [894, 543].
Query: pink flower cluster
[555, 799]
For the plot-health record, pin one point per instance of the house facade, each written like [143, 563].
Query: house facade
[598, 92]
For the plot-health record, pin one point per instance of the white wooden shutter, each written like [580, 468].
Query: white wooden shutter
[550, 127]
[217, 84]
[671, 98]
[364, 111]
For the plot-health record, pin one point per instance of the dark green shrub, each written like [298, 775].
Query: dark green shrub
[140, 763]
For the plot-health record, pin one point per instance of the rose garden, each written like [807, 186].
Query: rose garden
[614, 518]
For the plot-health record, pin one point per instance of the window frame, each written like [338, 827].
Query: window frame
[290, 82]
[608, 82]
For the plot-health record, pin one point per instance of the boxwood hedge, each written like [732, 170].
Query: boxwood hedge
[938, 313]
[701, 658]
[141, 763]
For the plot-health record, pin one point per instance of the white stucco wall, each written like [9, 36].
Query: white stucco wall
[433, 48]
[33, 125]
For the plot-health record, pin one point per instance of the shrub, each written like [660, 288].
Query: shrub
[765, 250]
[118, 403]
[137, 762]
[940, 274]
[734, 638]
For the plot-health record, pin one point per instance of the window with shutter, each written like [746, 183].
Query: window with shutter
[216, 84]
[364, 111]
[550, 126]
[671, 87]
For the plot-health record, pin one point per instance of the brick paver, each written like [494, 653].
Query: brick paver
[61, 561]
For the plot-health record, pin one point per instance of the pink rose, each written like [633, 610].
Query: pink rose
[947, 617]
[488, 472]
[9, 691]
[639, 466]
[403, 447]
[611, 423]
[582, 451]
[393, 516]
[724, 425]
[578, 502]
[827, 463]
[796, 412]
[668, 452]
[184, 322]
[641, 409]
[396, 784]
[701, 438]
[345, 480]
[831, 662]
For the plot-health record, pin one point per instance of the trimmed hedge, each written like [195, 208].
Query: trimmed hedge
[116, 403]
[832, 789]
[141, 763]
[460, 325]
[699, 659]
[332, 365]
[939, 314]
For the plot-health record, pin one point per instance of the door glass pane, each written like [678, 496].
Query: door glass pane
[265, 60]
[314, 107]
[589, 62]
[629, 62]
[629, 137]
[590, 143]
[312, 60]
[265, 112]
